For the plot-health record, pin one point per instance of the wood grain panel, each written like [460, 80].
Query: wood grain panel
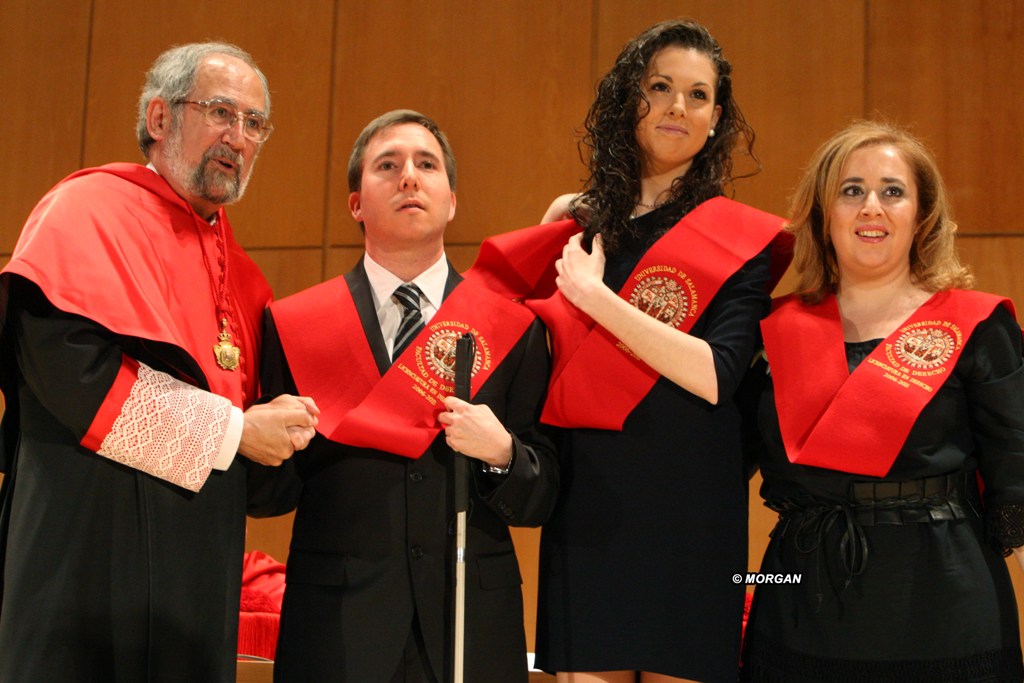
[462, 256]
[527, 543]
[43, 60]
[954, 75]
[340, 260]
[506, 81]
[791, 107]
[289, 270]
[272, 535]
[292, 44]
[1017, 576]
[995, 262]
[254, 672]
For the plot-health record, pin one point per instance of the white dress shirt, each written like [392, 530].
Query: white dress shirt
[383, 284]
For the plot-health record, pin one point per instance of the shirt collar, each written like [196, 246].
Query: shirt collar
[383, 282]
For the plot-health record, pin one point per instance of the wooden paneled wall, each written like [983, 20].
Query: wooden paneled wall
[510, 82]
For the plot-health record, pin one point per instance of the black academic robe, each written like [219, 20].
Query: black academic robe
[110, 574]
[372, 543]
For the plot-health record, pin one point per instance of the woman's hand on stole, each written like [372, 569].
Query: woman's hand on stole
[580, 275]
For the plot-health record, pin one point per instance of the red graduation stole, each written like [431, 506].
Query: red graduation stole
[521, 264]
[596, 381]
[330, 360]
[859, 422]
[116, 245]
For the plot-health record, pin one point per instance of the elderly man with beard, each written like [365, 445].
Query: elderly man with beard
[129, 341]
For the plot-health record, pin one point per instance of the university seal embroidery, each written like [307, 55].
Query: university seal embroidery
[924, 348]
[665, 294]
[439, 352]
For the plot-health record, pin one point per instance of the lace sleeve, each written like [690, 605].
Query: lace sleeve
[167, 428]
[1006, 527]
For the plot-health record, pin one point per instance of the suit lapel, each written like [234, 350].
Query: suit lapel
[362, 295]
[453, 279]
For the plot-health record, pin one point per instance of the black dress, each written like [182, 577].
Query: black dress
[636, 562]
[916, 590]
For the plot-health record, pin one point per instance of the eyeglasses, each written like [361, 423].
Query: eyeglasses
[222, 114]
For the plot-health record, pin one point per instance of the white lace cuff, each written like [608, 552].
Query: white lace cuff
[232, 438]
[169, 429]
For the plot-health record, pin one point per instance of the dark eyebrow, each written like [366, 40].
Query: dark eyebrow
[385, 154]
[420, 153]
[428, 154]
[698, 84]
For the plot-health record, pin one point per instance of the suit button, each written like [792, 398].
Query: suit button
[416, 476]
[416, 552]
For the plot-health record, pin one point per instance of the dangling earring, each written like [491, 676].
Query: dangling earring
[711, 133]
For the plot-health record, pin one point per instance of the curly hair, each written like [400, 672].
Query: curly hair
[612, 153]
[934, 264]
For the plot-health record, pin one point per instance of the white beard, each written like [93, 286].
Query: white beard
[209, 184]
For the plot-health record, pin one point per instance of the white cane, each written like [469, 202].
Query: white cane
[465, 352]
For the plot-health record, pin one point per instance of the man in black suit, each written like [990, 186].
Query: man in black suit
[371, 561]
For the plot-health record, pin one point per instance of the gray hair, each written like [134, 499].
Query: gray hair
[173, 75]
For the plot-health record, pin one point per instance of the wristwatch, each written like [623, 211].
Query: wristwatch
[491, 469]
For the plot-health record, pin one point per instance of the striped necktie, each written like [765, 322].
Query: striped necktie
[408, 297]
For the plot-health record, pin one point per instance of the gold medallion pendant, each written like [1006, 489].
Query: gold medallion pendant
[226, 353]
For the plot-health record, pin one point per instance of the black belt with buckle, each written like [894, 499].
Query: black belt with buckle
[918, 501]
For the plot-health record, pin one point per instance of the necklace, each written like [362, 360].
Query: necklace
[227, 354]
[655, 204]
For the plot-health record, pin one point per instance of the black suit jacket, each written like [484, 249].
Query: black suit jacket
[372, 542]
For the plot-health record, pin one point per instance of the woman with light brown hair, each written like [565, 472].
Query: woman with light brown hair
[892, 390]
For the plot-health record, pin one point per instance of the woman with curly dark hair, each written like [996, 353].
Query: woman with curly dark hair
[653, 321]
[625, 181]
